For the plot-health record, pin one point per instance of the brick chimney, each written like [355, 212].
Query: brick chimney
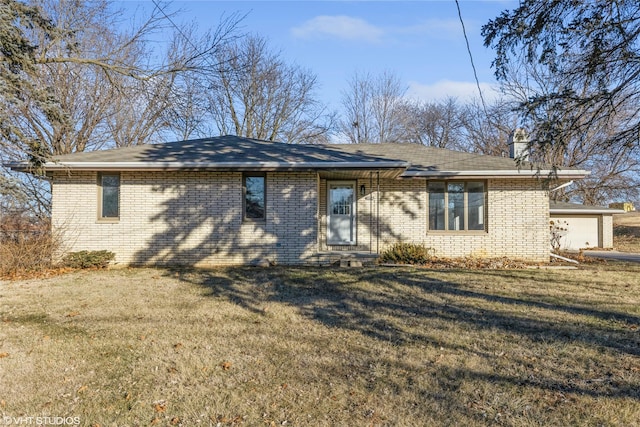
[519, 144]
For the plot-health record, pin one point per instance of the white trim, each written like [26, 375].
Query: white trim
[353, 214]
[266, 166]
[592, 211]
[273, 166]
[574, 173]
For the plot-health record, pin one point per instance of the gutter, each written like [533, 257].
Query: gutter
[571, 173]
[569, 211]
[236, 166]
[291, 166]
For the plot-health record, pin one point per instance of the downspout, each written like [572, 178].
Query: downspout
[370, 212]
[318, 215]
[563, 258]
[566, 184]
[378, 212]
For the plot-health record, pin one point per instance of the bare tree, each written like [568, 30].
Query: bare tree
[579, 67]
[374, 109]
[187, 114]
[82, 83]
[254, 93]
[591, 47]
[615, 169]
[136, 114]
[71, 81]
[435, 124]
[487, 129]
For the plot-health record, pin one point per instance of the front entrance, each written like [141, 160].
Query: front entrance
[341, 213]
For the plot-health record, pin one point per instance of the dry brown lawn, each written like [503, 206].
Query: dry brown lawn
[626, 232]
[324, 347]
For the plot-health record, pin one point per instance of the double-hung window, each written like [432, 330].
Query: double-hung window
[255, 199]
[456, 205]
[109, 197]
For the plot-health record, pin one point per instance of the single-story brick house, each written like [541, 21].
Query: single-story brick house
[233, 200]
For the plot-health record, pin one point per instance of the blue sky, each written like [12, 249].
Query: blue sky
[420, 41]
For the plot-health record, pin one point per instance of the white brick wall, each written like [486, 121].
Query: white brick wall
[517, 214]
[196, 218]
[189, 218]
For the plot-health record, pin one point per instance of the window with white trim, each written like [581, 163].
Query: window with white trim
[456, 205]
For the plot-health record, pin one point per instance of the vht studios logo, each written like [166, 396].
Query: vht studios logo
[41, 421]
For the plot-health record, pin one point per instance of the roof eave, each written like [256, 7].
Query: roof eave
[573, 174]
[226, 166]
[569, 211]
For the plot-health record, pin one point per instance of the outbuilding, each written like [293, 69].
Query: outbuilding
[586, 226]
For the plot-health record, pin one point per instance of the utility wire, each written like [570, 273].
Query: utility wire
[157, 5]
[473, 65]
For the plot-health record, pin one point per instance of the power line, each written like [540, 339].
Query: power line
[157, 5]
[473, 65]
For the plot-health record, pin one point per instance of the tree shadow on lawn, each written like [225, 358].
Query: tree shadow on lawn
[406, 306]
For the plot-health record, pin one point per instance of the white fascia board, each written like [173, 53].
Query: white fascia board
[594, 211]
[266, 166]
[572, 173]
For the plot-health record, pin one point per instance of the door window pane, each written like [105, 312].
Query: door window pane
[341, 200]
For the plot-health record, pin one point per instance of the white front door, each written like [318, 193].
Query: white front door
[341, 213]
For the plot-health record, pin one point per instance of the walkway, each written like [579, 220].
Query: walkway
[619, 256]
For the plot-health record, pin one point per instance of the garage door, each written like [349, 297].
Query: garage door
[582, 232]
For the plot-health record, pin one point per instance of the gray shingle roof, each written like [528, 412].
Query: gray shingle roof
[574, 208]
[237, 153]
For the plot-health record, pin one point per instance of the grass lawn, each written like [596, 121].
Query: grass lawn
[626, 232]
[334, 347]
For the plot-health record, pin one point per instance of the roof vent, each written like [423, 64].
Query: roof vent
[519, 145]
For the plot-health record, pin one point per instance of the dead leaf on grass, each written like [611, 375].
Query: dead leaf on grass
[83, 389]
[73, 314]
[4, 355]
[160, 405]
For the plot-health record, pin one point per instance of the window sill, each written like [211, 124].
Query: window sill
[254, 220]
[107, 220]
[458, 233]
